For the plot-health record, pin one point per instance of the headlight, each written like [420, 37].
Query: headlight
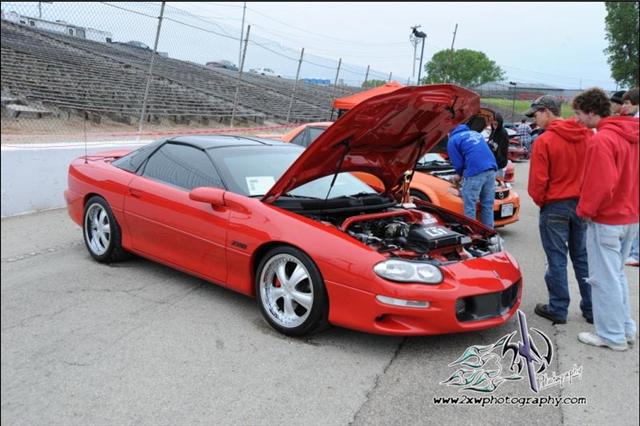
[454, 191]
[408, 272]
[495, 244]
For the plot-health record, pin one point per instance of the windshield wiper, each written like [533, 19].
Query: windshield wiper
[305, 197]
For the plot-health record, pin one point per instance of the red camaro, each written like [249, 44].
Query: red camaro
[295, 229]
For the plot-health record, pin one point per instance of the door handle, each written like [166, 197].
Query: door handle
[135, 193]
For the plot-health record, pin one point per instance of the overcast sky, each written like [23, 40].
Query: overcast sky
[552, 43]
[559, 44]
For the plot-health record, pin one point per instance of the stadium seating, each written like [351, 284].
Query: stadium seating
[73, 74]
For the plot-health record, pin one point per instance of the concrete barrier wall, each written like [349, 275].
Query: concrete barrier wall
[34, 176]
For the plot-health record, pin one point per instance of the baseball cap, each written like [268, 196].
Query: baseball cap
[544, 102]
[617, 97]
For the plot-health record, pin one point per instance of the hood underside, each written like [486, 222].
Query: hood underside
[384, 136]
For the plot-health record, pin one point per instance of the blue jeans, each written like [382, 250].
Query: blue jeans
[608, 247]
[634, 249]
[481, 187]
[562, 229]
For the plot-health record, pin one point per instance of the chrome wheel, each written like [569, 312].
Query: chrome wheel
[97, 229]
[286, 290]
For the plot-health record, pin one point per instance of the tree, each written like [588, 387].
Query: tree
[369, 84]
[464, 67]
[621, 26]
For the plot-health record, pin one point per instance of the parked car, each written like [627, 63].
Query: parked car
[295, 229]
[265, 71]
[517, 152]
[432, 181]
[222, 63]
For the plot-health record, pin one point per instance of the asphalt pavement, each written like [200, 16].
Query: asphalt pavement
[140, 343]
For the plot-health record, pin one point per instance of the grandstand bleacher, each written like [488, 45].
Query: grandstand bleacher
[67, 73]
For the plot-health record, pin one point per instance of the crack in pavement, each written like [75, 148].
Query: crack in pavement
[376, 382]
[40, 252]
[23, 322]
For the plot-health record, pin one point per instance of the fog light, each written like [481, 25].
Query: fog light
[401, 302]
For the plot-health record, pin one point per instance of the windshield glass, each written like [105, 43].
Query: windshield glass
[431, 158]
[252, 171]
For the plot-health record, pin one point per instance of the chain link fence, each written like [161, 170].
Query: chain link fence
[104, 71]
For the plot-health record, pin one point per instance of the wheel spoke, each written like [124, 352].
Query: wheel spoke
[276, 293]
[106, 229]
[94, 244]
[104, 241]
[281, 272]
[304, 299]
[298, 275]
[103, 216]
[288, 306]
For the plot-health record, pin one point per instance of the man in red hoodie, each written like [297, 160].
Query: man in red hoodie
[609, 203]
[555, 178]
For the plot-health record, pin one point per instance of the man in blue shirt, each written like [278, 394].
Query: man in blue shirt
[473, 160]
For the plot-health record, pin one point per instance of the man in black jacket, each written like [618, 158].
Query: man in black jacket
[499, 144]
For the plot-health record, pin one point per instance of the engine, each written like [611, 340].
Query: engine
[419, 235]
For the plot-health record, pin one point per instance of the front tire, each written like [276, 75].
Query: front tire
[290, 292]
[101, 232]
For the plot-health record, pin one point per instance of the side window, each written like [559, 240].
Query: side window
[182, 166]
[302, 139]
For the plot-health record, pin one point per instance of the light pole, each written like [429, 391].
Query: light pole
[419, 34]
[513, 106]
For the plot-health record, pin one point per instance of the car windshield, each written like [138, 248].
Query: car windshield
[431, 158]
[252, 171]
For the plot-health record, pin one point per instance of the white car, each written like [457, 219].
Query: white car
[265, 71]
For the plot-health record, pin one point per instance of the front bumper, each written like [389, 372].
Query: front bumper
[472, 297]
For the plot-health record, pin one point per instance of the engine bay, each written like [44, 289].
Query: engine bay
[415, 232]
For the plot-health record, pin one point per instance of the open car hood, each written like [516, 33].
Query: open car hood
[384, 136]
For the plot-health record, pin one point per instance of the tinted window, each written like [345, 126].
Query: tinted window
[307, 136]
[132, 161]
[182, 166]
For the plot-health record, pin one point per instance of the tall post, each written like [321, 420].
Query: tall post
[244, 11]
[335, 84]
[415, 50]
[513, 106]
[390, 74]
[421, 56]
[149, 76]
[366, 77]
[295, 85]
[451, 52]
[244, 55]
[40, 10]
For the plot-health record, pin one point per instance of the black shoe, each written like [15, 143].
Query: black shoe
[588, 319]
[543, 310]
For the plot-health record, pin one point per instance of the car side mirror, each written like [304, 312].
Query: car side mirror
[213, 196]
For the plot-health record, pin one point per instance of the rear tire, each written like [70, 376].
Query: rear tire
[101, 231]
[290, 292]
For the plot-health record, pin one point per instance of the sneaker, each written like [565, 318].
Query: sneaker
[588, 319]
[543, 310]
[631, 261]
[631, 339]
[593, 339]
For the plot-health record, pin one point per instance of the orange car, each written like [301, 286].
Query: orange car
[431, 182]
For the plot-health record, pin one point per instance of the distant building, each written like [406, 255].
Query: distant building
[60, 27]
[523, 91]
